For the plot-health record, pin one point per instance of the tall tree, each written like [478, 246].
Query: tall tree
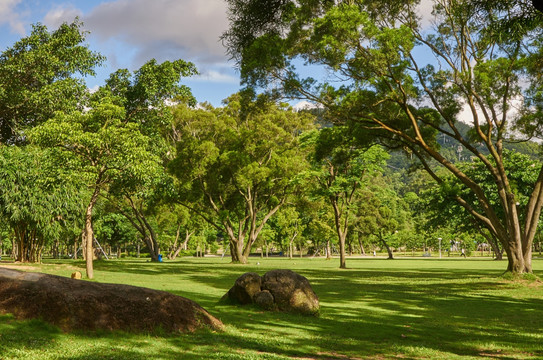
[147, 97]
[405, 83]
[38, 77]
[237, 169]
[342, 172]
[120, 137]
[382, 214]
[103, 147]
[179, 224]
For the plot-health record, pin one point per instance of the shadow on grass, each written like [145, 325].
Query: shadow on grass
[368, 311]
[32, 334]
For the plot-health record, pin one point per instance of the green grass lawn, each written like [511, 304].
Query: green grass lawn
[376, 309]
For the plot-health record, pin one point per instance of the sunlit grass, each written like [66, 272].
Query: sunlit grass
[375, 309]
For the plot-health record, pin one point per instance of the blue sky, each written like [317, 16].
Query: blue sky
[131, 32]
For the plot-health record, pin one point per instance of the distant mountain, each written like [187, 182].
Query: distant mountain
[454, 151]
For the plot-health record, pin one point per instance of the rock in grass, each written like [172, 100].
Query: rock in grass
[265, 300]
[291, 291]
[283, 290]
[245, 287]
[74, 304]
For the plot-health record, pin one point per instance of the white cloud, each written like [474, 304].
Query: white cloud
[216, 77]
[54, 18]
[93, 89]
[131, 32]
[306, 105]
[9, 16]
[424, 10]
[163, 29]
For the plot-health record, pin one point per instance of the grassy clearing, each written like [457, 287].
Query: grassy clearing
[376, 309]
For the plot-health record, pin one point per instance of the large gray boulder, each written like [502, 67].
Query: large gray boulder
[291, 291]
[77, 304]
[282, 290]
[245, 288]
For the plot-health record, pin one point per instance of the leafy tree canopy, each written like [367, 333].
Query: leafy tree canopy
[399, 84]
[236, 169]
[38, 197]
[38, 76]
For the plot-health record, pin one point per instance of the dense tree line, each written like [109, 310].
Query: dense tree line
[138, 165]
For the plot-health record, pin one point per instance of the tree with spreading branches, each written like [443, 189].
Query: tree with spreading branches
[399, 82]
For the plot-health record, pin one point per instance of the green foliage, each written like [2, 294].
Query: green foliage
[148, 94]
[438, 201]
[113, 229]
[342, 174]
[102, 145]
[400, 85]
[37, 77]
[236, 167]
[38, 198]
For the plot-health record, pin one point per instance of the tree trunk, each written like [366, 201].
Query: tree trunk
[515, 260]
[389, 251]
[342, 254]
[152, 245]
[183, 246]
[89, 234]
[236, 251]
[233, 253]
[83, 245]
[151, 240]
[342, 227]
[291, 244]
[140, 223]
[362, 251]
[328, 251]
[173, 250]
[492, 241]
[14, 252]
[497, 251]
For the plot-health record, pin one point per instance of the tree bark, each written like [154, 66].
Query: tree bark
[362, 250]
[389, 250]
[89, 234]
[14, 250]
[342, 226]
[183, 246]
[328, 250]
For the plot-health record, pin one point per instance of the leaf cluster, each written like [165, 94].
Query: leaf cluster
[38, 77]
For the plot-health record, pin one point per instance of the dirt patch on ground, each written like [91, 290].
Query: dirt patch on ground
[18, 267]
[76, 304]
